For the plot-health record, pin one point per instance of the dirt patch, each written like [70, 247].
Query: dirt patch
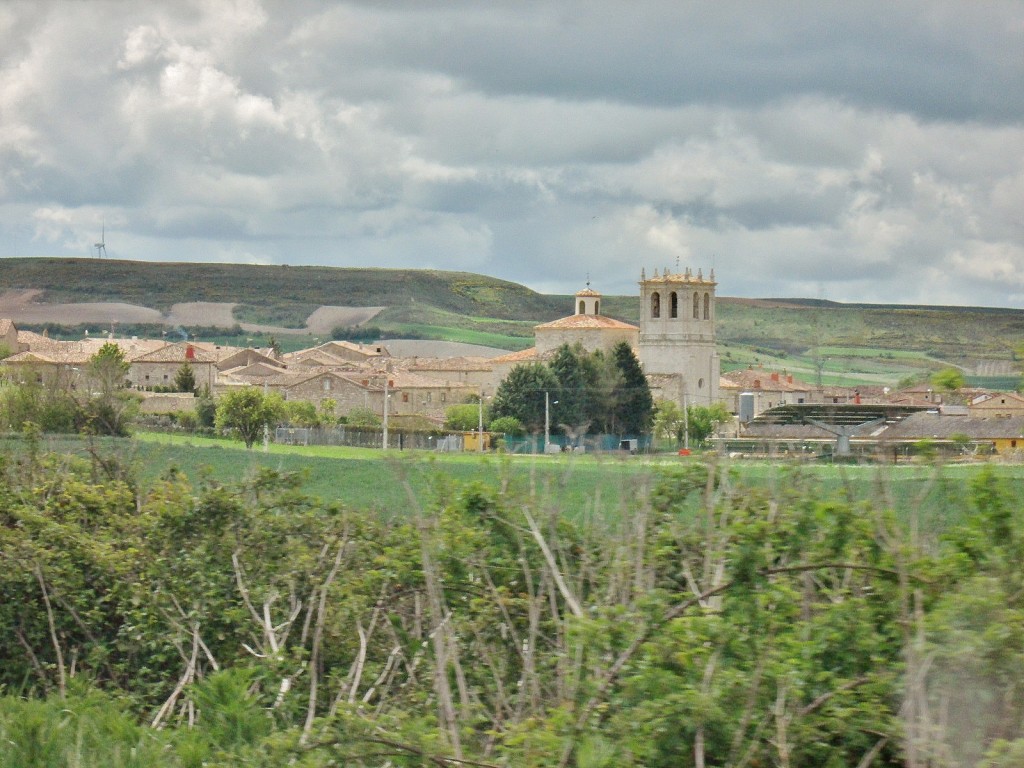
[100, 313]
[11, 300]
[325, 319]
[20, 307]
[202, 313]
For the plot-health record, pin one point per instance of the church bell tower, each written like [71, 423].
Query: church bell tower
[677, 334]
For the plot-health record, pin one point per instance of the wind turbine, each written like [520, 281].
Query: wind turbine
[101, 246]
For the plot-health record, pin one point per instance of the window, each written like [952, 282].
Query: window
[597, 307]
[700, 383]
[582, 310]
[655, 304]
[673, 310]
[405, 397]
[327, 385]
[707, 306]
[696, 306]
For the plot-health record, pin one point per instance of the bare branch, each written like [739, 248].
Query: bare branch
[318, 632]
[61, 674]
[556, 572]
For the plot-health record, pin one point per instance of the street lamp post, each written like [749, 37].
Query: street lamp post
[385, 435]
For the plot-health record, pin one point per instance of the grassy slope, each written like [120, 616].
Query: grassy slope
[274, 289]
[854, 344]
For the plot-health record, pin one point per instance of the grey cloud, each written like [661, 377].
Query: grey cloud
[874, 150]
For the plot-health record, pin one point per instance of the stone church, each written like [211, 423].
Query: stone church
[675, 341]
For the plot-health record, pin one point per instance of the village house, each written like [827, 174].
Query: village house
[478, 372]
[1005, 434]
[335, 354]
[9, 337]
[996, 405]
[243, 358]
[409, 394]
[768, 388]
[158, 369]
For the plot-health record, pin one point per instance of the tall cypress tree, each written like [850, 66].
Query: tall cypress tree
[634, 410]
[568, 366]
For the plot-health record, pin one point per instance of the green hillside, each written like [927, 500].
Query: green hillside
[277, 295]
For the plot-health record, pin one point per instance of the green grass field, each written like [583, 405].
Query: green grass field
[577, 486]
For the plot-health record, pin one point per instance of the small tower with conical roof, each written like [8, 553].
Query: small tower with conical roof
[677, 334]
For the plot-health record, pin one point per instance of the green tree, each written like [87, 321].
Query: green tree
[464, 417]
[575, 374]
[702, 421]
[206, 409]
[508, 425]
[699, 420]
[328, 409]
[300, 413]
[521, 395]
[605, 391]
[106, 370]
[109, 409]
[669, 421]
[362, 417]
[53, 408]
[275, 347]
[185, 379]
[948, 380]
[247, 412]
[634, 408]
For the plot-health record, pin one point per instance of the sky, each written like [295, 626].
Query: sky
[851, 151]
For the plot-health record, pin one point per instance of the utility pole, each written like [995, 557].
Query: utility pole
[480, 423]
[547, 419]
[385, 436]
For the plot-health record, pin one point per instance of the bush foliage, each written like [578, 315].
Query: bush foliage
[192, 623]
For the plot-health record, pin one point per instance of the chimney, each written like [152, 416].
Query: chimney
[775, 375]
[190, 352]
[757, 383]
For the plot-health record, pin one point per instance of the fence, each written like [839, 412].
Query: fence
[586, 444]
[363, 437]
